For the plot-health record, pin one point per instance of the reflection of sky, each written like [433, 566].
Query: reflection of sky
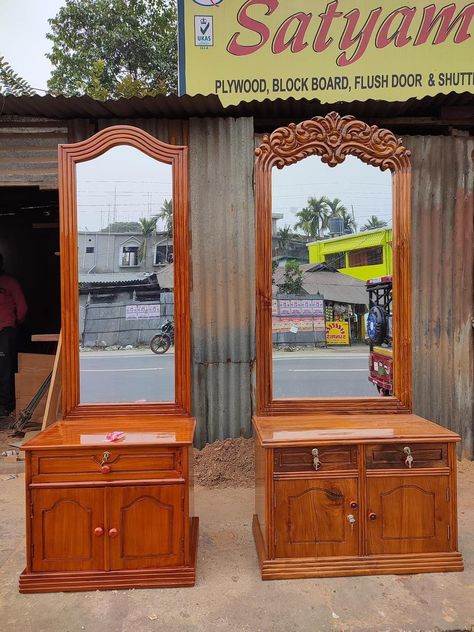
[364, 189]
[122, 185]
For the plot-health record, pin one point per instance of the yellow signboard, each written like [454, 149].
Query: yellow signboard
[335, 50]
[337, 332]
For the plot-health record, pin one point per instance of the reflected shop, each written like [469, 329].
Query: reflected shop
[292, 273]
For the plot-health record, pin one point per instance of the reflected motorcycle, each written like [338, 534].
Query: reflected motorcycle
[160, 343]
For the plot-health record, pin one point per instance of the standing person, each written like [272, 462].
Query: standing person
[12, 312]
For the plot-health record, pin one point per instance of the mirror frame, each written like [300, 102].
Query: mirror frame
[69, 155]
[333, 138]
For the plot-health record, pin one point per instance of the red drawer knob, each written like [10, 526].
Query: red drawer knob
[372, 516]
[113, 533]
[98, 531]
[105, 469]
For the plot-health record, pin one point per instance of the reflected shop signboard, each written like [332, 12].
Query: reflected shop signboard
[337, 332]
[142, 312]
[244, 50]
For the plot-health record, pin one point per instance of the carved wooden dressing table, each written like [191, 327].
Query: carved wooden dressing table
[110, 511]
[341, 496]
[348, 486]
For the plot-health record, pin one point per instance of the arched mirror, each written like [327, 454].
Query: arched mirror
[333, 261]
[124, 249]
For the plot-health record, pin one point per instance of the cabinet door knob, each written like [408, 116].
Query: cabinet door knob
[372, 516]
[113, 533]
[105, 469]
[354, 505]
[98, 531]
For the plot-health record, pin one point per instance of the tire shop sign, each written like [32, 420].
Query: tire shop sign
[337, 332]
[333, 51]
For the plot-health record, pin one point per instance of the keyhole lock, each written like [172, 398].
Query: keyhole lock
[409, 459]
[316, 461]
[105, 457]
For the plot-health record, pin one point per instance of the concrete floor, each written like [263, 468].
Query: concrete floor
[229, 595]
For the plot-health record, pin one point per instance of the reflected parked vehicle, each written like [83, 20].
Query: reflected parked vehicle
[379, 332]
[160, 343]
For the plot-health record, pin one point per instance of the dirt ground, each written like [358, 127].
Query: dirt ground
[228, 463]
[229, 595]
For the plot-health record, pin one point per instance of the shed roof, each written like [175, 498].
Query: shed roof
[117, 278]
[333, 285]
[455, 109]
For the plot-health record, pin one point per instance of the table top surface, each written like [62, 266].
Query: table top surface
[137, 431]
[291, 430]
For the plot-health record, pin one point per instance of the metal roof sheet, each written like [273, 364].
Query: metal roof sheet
[333, 285]
[116, 278]
[172, 106]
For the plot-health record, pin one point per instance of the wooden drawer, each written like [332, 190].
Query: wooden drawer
[121, 464]
[393, 455]
[301, 459]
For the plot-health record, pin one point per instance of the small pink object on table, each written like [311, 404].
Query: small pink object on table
[114, 436]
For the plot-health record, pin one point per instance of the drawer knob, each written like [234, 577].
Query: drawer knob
[98, 531]
[105, 469]
[372, 516]
[113, 533]
[409, 459]
[354, 505]
[316, 461]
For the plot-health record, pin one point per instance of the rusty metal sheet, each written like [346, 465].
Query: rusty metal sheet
[223, 274]
[443, 264]
[28, 154]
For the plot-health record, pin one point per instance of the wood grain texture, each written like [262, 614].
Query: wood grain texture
[329, 429]
[177, 157]
[98, 512]
[171, 577]
[408, 514]
[139, 431]
[403, 519]
[312, 518]
[333, 138]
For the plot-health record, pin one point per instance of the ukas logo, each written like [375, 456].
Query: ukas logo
[203, 30]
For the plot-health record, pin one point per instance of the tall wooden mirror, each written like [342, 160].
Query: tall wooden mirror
[124, 262]
[289, 162]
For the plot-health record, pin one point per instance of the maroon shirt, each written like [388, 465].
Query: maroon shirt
[12, 302]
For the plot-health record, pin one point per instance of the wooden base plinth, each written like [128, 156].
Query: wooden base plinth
[352, 566]
[171, 577]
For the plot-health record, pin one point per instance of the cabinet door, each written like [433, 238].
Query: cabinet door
[312, 518]
[408, 514]
[146, 526]
[67, 529]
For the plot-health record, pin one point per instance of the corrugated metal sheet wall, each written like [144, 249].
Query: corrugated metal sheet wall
[443, 249]
[29, 152]
[223, 273]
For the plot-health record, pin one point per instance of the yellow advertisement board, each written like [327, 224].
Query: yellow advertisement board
[337, 332]
[244, 50]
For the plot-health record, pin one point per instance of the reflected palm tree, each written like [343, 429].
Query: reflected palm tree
[374, 222]
[148, 228]
[314, 218]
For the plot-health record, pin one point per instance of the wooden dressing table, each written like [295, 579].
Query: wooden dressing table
[337, 496]
[347, 485]
[104, 513]
[107, 514]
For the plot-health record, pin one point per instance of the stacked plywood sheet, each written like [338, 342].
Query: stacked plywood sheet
[33, 369]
